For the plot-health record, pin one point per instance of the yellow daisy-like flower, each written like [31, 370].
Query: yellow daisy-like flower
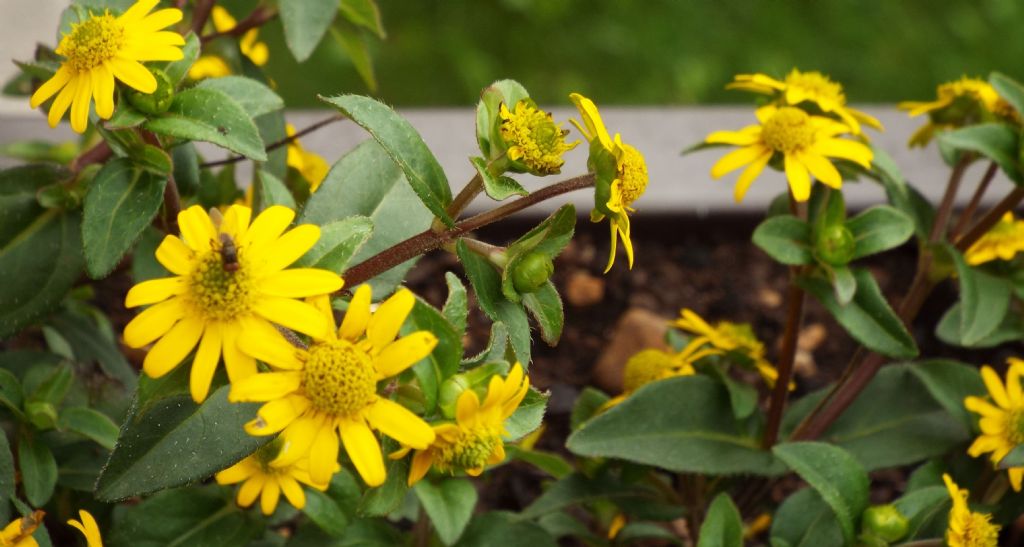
[212, 66]
[227, 279]
[621, 175]
[105, 48]
[19, 532]
[813, 87]
[533, 138]
[1002, 423]
[311, 166]
[209, 66]
[652, 365]
[262, 477]
[804, 142]
[729, 337]
[958, 103]
[1002, 242]
[475, 439]
[967, 528]
[330, 391]
[88, 527]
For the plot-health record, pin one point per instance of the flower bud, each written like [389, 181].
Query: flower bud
[449, 393]
[531, 272]
[834, 245]
[43, 415]
[885, 522]
[156, 102]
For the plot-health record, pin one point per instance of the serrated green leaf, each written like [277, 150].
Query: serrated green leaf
[835, 474]
[405, 147]
[996, 141]
[121, 203]
[449, 504]
[879, 229]
[363, 13]
[177, 70]
[681, 424]
[722, 525]
[125, 117]
[38, 469]
[487, 284]
[785, 238]
[89, 423]
[804, 520]
[443, 362]
[305, 22]
[984, 299]
[185, 517]
[528, 417]
[254, 97]
[867, 318]
[202, 114]
[456, 308]
[339, 242]
[497, 188]
[545, 305]
[330, 509]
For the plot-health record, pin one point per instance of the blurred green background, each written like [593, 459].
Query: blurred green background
[442, 52]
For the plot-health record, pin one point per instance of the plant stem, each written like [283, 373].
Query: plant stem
[200, 14]
[945, 209]
[787, 353]
[280, 142]
[99, 153]
[990, 219]
[172, 206]
[461, 201]
[979, 192]
[259, 16]
[429, 240]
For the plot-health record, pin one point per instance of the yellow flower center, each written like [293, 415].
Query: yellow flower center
[1015, 425]
[534, 138]
[788, 130]
[339, 378]
[221, 284]
[817, 85]
[92, 42]
[633, 174]
[645, 367]
[470, 451]
[975, 530]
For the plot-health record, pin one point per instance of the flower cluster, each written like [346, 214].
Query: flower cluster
[1001, 418]
[734, 339]
[959, 103]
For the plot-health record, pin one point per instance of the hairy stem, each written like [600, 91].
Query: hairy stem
[461, 201]
[281, 142]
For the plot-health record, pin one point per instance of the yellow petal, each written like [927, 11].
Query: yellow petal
[197, 229]
[592, 119]
[288, 248]
[133, 73]
[292, 491]
[323, 455]
[364, 451]
[467, 406]
[237, 363]
[205, 362]
[62, 102]
[103, 91]
[300, 282]
[822, 169]
[81, 102]
[358, 314]
[749, 174]
[736, 159]
[137, 12]
[278, 414]
[237, 473]
[265, 386]
[236, 222]
[983, 407]
[174, 255]
[268, 226]
[404, 353]
[995, 386]
[271, 493]
[298, 438]
[799, 179]
[153, 322]
[158, 19]
[87, 527]
[397, 422]
[153, 291]
[52, 86]
[173, 347]
[744, 137]
[421, 462]
[250, 489]
[844, 149]
[387, 320]
[264, 342]
[295, 315]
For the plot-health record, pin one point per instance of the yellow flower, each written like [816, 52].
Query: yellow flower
[621, 175]
[227, 279]
[89, 528]
[1002, 423]
[729, 337]
[19, 532]
[651, 365]
[261, 476]
[804, 142]
[102, 49]
[958, 103]
[533, 138]
[814, 87]
[1003, 241]
[212, 66]
[330, 389]
[311, 166]
[475, 439]
[967, 528]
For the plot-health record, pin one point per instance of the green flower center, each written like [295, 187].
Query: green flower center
[645, 367]
[789, 130]
[1015, 426]
[633, 175]
[534, 139]
[470, 451]
[221, 284]
[339, 378]
[92, 42]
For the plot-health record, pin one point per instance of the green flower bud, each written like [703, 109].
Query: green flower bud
[885, 522]
[834, 245]
[156, 102]
[43, 415]
[531, 272]
[448, 395]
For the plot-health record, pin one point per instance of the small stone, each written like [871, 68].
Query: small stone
[583, 289]
[769, 298]
[636, 330]
[812, 336]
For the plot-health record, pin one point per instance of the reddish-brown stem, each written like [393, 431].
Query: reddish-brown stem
[200, 14]
[280, 142]
[99, 153]
[787, 353]
[259, 17]
[172, 206]
[429, 240]
[945, 209]
[979, 192]
[990, 219]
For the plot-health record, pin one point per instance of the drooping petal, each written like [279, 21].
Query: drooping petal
[103, 91]
[153, 291]
[237, 473]
[56, 83]
[295, 315]
[364, 451]
[300, 282]
[153, 322]
[298, 438]
[261, 340]
[736, 159]
[397, 422]
[265, 386]
[238, 364]
[173, 347]
[62, 102]
[133, 74]
[358, 314]
[799, 179]
[421, 462]
[292, 491]
[250, 489]
[271, 494]
[592, 119]
[822, 169]
[278, 414]
[323, 455]
[844, 149]
[404, 353]
[205, 362]
[749, 174]
[81, 102]
[387, 320]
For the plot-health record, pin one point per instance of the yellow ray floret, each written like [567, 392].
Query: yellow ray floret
[227, 279]
[805, 144]
[1002, 242]
[88, 527]
[967, 528]
[105, 48]
[213, 66]
[1002, 419]
[957, 103]
[729, 337]
[262, 477]
[19, 532]
[651, 365]
[311, 166]
[329, 394]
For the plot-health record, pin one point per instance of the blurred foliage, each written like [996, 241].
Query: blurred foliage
[660, 51]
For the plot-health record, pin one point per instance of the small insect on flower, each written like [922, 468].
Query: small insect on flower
[229, 253]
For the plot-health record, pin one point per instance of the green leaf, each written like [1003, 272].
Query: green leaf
[330, 509]
[443, 362]
[253, 96]
[506, 530]
[903, 197]
[844, 284]
[722, 525]
[11, 394]
[305, 22]
[18, 188]
[152, 159]
[549, 462]
[125, 117]
[121, 203]
[948, 330]
[38, 469]
[366, 182]
[984, 299]
[487, 284]
[7, 478]
[528, 417]
[384, 499]
[578, 489]
[339, 242]
[363, 13]
[488, 133]
[1009, 89]
[834, 474]
[186, 168]
[449, 504]
[187, 517]
[742, 396]
[545, 305]
[785, 238]
[53, 387]
[94, 344]
[271, 191]
[867, 318]
[456, 308]
[995, 141]
[497, 344]
[1014, 459]
[357, 47]
[89, 423]
[169, 441]
[949, 382]
[548, 238]
[405, 147]
[879, 229]
[497, 187]
[210, 115]
[177, 70]
[680, 424]
[804, 520]
[927, 510]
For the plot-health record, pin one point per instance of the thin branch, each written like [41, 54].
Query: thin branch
[990, 219]
[259, 17]
[99, 153]
[979, 192]
[281, 142]
[200, 14]
[777, 403]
